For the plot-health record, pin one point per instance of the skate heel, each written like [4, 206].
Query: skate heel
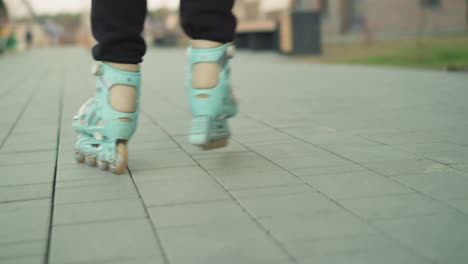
[105, 131]
[211, 107]
[209, 134]
[200, 130]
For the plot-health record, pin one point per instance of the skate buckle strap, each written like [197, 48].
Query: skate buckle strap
[218, 55]
[111, 76]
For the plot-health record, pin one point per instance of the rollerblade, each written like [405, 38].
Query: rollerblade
[104, 131]
[211, 107]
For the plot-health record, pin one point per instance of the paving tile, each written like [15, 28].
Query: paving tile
[22, 249]
[371, 154]
[232, 160]
[25, 192]
[328, 169]
[385, 256]
[19, 158]
[232, 146]
[292, 204]
[25, 146]
[210, 213]
[181, 190]
[425, 148]
[140, 260]
[449, 157]
[348, 245]
[229, 243]
[151, 145]
[327, 139]
[442, 238]
[26, 174]
[26, 221]
[152, 159]
[288, 149]
[209, 155]
[460, 166]
[75, 171]
[39, 259]
[271, 191]
[97, 242]
[440, 185]
[95, 181]
[460, 204]
[308, 161]
[395, 206]
[316, 226]
[233, 170]
[98, 211]
[254, 138]
[403, 167]
[142, 176]
[354, 185]
[267, 178]
[399, 137]
[114, 191]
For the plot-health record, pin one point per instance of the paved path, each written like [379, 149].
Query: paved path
[329, 164]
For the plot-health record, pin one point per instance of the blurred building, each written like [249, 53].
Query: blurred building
[349, 19]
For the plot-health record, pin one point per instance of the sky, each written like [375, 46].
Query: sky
[17, 9]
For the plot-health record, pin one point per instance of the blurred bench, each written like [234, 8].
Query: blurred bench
[257, 35]
[289, 32]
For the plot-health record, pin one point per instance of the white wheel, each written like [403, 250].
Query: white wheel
[118, 166]
[90, 161]
[103, 165]
[79, 157]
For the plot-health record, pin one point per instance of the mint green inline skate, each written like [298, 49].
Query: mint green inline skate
[104, 132]
[211, 107]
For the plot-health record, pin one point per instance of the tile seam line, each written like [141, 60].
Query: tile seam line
[329, 198]
[148, 217]
[266, 231]
[5, 93]
[101, 221]
[20, 115]
[62, 85]
[391, 178]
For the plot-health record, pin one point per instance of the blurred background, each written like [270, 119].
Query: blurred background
[416, 33]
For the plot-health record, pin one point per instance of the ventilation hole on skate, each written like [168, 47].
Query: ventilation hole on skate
[203, 96]
[220, 126]
[125, 119]
[95, 145]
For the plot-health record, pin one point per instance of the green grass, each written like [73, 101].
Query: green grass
[426, 56]
[428, 52]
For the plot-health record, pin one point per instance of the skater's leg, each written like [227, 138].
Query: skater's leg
[117, 27]
[211, 25]
[208, 19]
[108, 120]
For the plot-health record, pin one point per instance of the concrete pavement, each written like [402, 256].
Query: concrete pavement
[328, 164]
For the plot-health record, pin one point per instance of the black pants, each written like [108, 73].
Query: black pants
[118, 24]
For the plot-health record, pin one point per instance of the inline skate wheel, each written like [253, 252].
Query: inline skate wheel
[103, 165]
[79, 157]
[215, 144]
[118, 166]
[91, 161]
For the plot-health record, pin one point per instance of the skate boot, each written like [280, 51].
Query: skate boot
[211, 107]
[104, 131]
